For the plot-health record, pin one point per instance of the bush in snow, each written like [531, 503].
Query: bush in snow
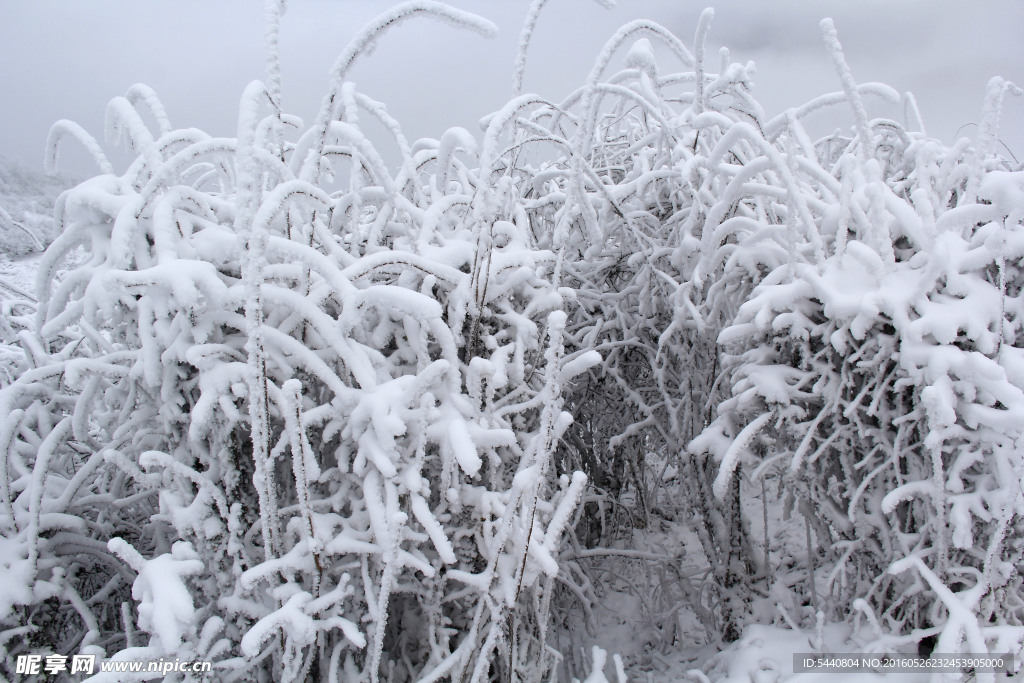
[886, 372]
[878, 371]
[298, 433]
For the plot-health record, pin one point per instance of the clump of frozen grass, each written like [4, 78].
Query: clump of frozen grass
[279, 380]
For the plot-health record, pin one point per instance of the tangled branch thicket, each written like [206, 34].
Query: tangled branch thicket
[285, 409]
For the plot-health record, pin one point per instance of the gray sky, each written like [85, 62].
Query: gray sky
[68, 58]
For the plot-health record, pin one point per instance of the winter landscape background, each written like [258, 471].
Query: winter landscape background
[555, 344]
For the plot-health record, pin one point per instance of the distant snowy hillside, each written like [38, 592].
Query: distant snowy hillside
[26, 208]
[27, 198]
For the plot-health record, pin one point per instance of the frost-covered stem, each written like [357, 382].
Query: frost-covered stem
[639, 26]
[588, 102]
[798, 146]
[364, 41]
[731, 458]
[484, 657]
[481, 277]
[40, 470]
[545, 609]
[1001, 265]
[387, 579]
[767, 546]
[248, 196]
[845, 206]
[552, 389]
[524, 43]
[396, 519]
[126, 620]
[140, 93]
[543, 441]
[301, 452]
[941, 522]
[988, 130]
[7, 222]
[698, 49]
[88, 618]
[64, 128]
[860, 114]
[911, 114]
[408, 167]
[818, 642]
[273, 9]
[124, 122]
[810, 564]
[552, 401]
[1005, 516]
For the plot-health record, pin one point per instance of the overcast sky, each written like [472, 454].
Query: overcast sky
[68, 58]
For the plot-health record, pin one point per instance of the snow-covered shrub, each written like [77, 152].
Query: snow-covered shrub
[879, 370]
[310, 433]
[718, 260]
[670, 207]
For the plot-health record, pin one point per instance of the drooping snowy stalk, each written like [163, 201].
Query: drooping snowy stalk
[363, 42]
